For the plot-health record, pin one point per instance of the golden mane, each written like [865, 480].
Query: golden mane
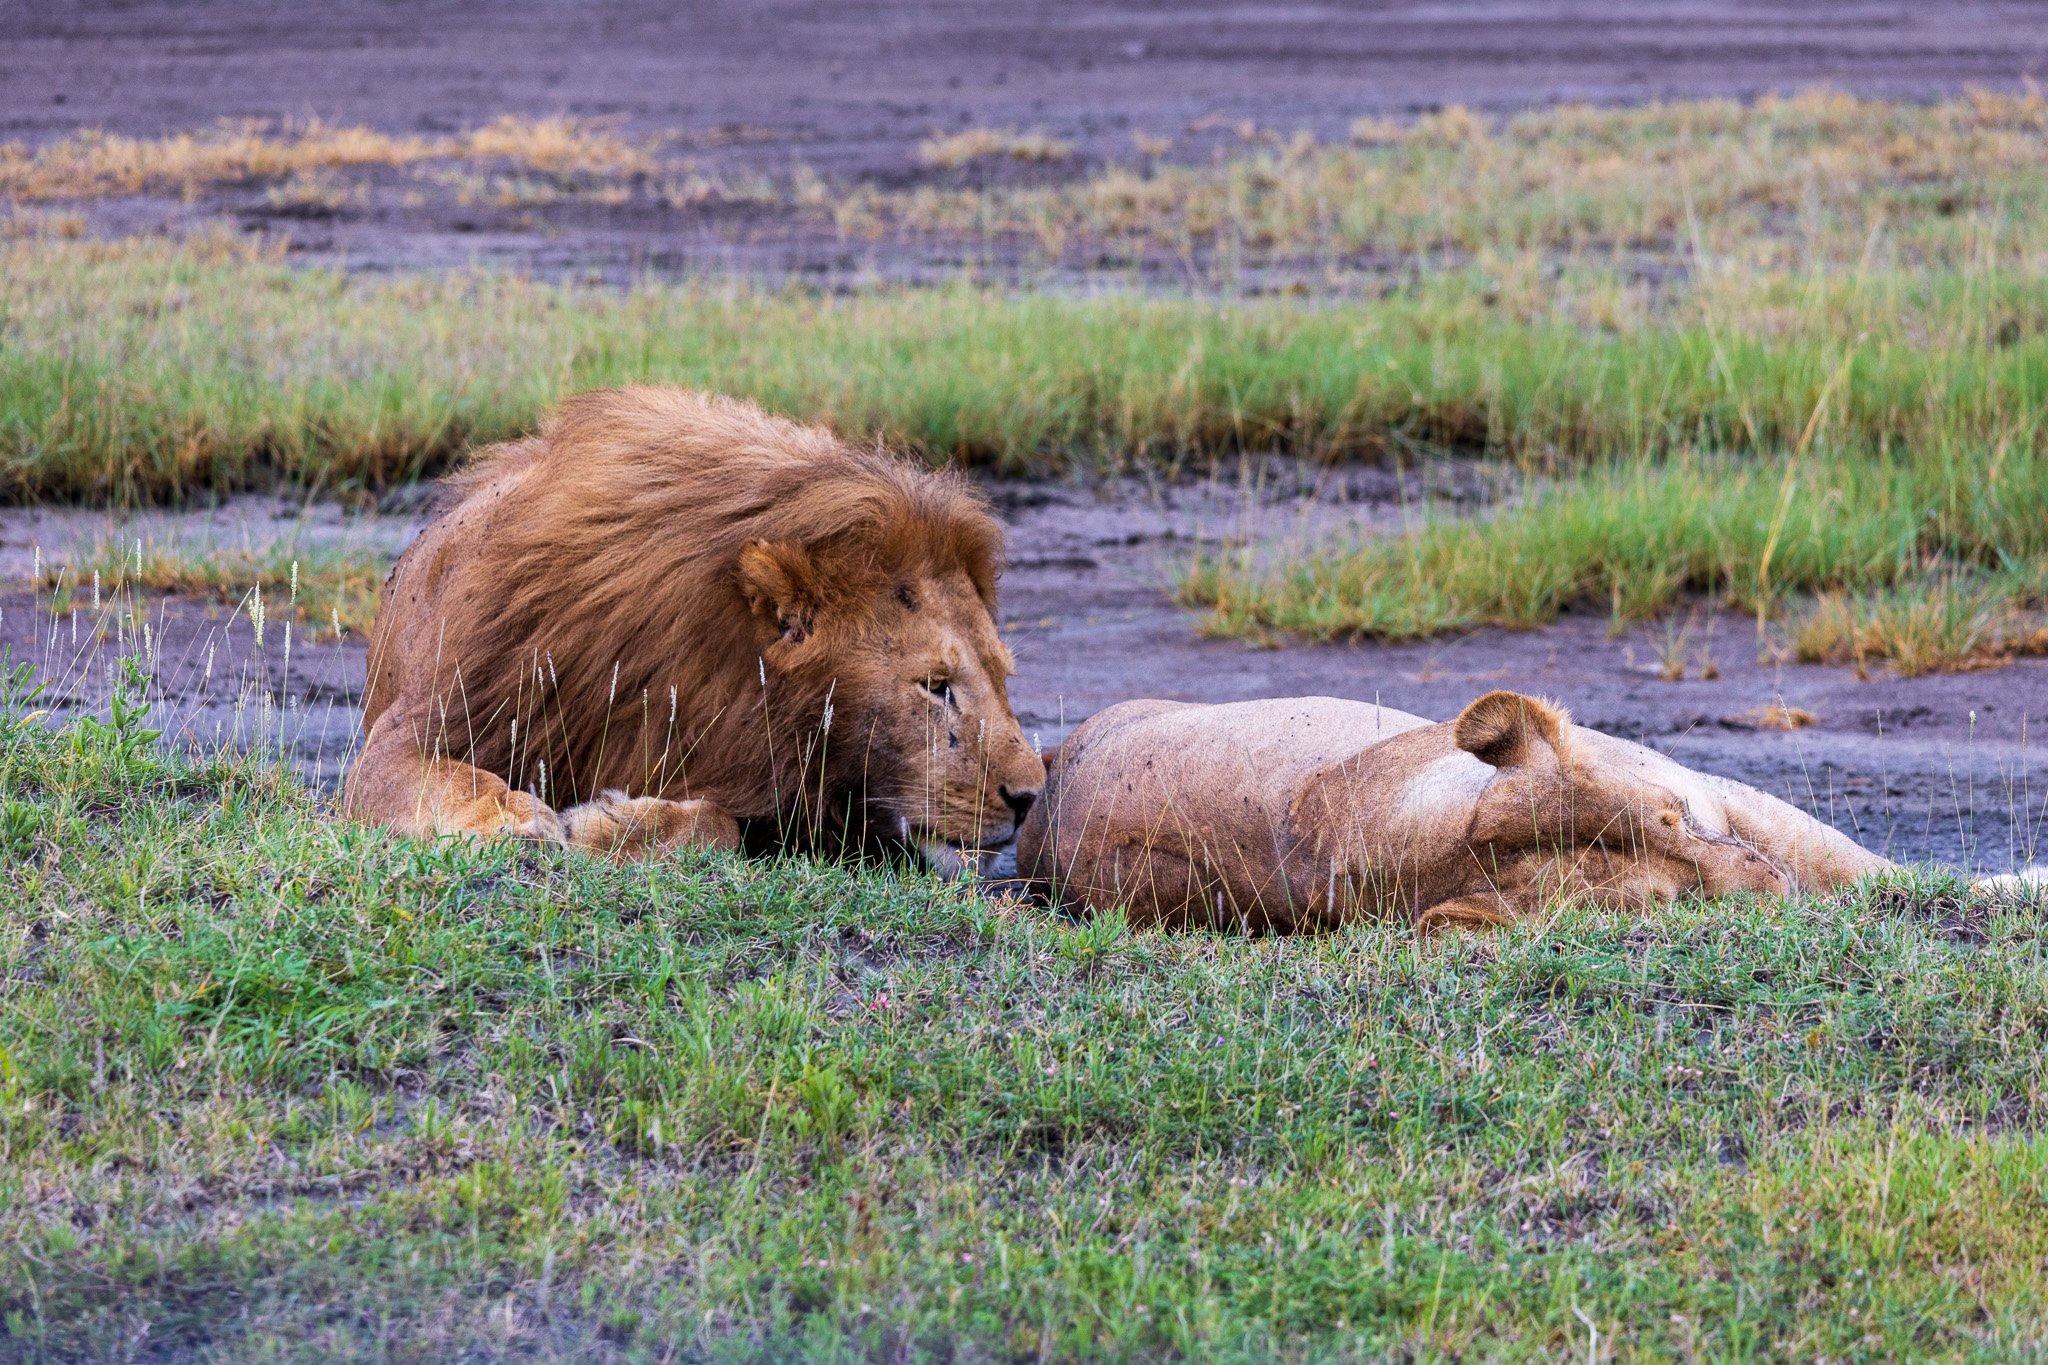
[586, 585]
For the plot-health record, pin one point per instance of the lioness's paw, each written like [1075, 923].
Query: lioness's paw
[623, 828]
[528, 817]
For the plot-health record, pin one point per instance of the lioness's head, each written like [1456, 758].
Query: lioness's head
[901, 643]
[1591, 826]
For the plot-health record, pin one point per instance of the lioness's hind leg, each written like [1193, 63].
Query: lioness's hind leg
[623, 828]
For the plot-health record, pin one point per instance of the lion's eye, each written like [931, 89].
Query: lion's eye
[940, 689]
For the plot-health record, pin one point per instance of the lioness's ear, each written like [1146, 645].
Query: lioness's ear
[1503, 728]
[780, 580]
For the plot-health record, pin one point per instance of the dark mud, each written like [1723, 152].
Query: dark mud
[1948, 769]
[853, 86]
[849, 89]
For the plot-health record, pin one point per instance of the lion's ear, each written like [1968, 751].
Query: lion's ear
[1503, 729]
[780, 580]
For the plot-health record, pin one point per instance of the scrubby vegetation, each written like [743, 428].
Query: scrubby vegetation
[273, 1087]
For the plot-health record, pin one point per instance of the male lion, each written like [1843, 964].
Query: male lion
[1308, 812]
[671, 619]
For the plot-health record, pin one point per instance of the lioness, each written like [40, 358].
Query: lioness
[1304, 813]
[671, 619]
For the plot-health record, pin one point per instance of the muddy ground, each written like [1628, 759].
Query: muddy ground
[849, 89]
[853, 84]
[1944, 769]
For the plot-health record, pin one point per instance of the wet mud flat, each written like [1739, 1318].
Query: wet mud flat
[854, 85]
[1949, 769]
[849, 91]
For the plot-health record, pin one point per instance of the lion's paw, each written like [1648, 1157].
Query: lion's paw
[623, 828]
[526, 816]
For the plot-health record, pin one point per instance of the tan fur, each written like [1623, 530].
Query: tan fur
[1309, 812]
[662, 600]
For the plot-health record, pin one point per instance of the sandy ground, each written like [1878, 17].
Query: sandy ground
[1946, 769]
[849, 89]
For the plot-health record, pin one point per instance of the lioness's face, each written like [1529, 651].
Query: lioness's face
[1669, 851]
[1627, 840]
[955, 773]
[1570, 818]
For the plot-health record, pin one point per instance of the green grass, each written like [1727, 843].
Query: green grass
[150, 370]
[1944, 529]
[1752, 352]
[276, 1088]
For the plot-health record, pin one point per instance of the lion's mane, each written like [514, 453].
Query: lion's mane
[583, 581]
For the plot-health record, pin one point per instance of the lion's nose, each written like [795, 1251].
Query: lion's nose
[1020, 803]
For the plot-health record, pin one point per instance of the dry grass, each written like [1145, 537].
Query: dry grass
[952, 150]
[25, 224]
[563, 145]
[1944, 625]
[317, 189]
[95, 164]
[1777, 716]
[1602, 218]
[1708, 190]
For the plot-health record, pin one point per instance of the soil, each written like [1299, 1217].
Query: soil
[1943, 769]
[849, 89]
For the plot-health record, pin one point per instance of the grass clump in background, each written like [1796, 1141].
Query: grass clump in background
[299, 1090]
[1932, 561]
[953, 150]
[95, 164]
[1782, 184]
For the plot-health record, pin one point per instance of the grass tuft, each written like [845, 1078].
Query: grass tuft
[331, 589]
[1918, 559]
[950, 151]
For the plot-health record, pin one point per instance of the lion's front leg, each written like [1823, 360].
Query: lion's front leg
[625, 828]
[395, 784]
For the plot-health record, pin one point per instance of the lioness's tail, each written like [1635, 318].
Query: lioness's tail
[2027, 879]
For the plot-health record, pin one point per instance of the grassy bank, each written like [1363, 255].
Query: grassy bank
[1932, 560]
[147, 370]
[293, 1091]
